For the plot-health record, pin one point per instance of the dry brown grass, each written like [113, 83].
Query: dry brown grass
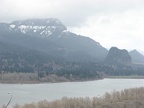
[27, 78]
[128, 98]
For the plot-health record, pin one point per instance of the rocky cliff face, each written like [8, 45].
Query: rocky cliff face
[118, 57]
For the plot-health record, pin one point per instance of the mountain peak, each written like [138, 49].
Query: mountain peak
[136, 56]
[118, 57]
[35, 27]
[39, 22]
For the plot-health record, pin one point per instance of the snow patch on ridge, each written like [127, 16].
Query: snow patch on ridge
[12, 26]
[40, 28]
[22, 27]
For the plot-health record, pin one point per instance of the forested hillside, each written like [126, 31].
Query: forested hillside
[48, 52]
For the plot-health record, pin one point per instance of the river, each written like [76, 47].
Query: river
[27, 93]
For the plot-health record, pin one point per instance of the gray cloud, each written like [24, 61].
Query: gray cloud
[71, 12]
[111, 22]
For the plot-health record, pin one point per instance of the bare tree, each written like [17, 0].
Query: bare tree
[9, 101]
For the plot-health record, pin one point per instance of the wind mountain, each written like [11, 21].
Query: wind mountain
[51, 36]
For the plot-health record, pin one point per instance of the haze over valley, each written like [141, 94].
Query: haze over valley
[45, 48]
[66, 50]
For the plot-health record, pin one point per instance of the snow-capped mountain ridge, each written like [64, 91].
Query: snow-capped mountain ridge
[36, 27]
[48, 36]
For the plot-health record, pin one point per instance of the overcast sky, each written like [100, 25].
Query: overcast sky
[111, 22]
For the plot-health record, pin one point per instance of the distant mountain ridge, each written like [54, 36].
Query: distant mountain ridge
[45, 47]
[37, 27]
[136, 56]
[51, 36]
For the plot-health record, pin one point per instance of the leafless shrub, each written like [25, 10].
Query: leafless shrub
[128, 98]
[29, 78]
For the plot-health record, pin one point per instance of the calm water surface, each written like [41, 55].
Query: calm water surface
[26, 93]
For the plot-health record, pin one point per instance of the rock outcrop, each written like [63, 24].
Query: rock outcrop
[118, 57]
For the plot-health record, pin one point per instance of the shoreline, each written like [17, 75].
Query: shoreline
[68, 80]
[56, 91]
[41, 82]
[125, 77]
[115, 99]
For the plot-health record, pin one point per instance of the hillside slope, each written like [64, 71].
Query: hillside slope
[51, 36]
[136, 57]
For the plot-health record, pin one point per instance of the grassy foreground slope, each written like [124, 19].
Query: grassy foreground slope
[128, 98]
